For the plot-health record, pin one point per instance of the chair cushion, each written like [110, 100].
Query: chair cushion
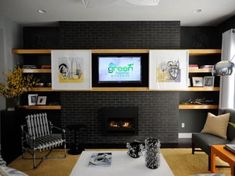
[204, 141]
[217, 125]
[48, 142]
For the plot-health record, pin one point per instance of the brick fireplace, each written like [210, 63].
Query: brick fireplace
[119, 120]
[157, 115]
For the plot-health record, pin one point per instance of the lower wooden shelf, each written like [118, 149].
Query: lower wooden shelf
[45, 107]
[196, 106]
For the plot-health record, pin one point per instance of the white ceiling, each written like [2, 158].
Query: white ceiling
[25, 11]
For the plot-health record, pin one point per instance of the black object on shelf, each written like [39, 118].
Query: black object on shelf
[75, 147]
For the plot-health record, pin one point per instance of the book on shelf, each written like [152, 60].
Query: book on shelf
[46, 66]
[207, 66]
[29, 67]
[193, 65]
[101, 159]
[230, 147]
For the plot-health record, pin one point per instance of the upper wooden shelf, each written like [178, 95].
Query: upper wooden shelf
[196, 106]
[31, 51]
[48, 51]
[200, 70]
[36, 70]
[197, 52]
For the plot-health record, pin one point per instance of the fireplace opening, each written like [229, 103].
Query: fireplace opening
[115, 123]
[119, 120]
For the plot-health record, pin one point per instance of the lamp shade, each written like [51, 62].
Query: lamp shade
[224, 68]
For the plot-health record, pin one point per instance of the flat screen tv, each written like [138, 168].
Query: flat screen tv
[118, 70]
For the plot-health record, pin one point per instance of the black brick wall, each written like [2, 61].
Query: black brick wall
[158, 114]
[158, 111]
[122, 34]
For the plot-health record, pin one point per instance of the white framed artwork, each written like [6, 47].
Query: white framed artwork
[71, 69]
[168, 69]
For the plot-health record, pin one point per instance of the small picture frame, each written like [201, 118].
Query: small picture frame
[42, 100]
[208, 81]
[197, 81]
[32, 99]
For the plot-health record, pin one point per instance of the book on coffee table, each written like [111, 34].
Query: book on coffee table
[230, 147]
[100, 159]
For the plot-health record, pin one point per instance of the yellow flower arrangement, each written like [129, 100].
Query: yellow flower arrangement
[17, 83]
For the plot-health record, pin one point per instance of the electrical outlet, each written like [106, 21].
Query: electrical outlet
[182, 125]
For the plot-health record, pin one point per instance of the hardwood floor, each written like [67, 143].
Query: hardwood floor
[181, 161]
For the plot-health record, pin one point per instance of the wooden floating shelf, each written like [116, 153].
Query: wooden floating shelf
[45, 107]
[194, 106]
[192, 52]
[48, 51]
[36, 70]
[200, 70]
[127, 89]
[42, 89]
[31, 51]
[197, 52]
[202, 89]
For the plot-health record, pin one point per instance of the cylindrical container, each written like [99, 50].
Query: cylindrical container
[134, 149]
[152, 153]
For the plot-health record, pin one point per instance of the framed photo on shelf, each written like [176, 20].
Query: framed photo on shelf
[209, 81]
[32, 99]
[41, 100]
[197, 81]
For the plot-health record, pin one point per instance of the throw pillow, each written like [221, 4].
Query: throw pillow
[217, 125]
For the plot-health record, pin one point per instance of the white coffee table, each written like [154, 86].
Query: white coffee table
[122, 165]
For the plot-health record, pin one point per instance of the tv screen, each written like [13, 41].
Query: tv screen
[119, 69]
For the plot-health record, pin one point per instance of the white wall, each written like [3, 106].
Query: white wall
[10, 33]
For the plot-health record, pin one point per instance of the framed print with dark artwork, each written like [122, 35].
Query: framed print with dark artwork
[42, 100]
[32, 99]
[209, 81]
[197, 81]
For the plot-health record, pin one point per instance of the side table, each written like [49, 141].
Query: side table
[75, 148]
[229, 157]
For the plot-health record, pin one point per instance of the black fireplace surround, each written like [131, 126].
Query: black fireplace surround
[119, 120]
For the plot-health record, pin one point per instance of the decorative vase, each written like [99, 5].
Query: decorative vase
[152, 153]
[135, 149]
[11, 103]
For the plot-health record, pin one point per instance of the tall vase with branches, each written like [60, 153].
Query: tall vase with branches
[16, 84]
